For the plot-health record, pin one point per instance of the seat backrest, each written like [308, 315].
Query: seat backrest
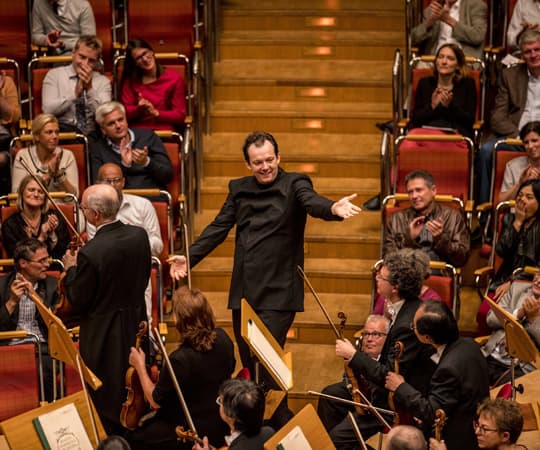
[103, 14]
[502, 157]
[19, 379]
[14, 30]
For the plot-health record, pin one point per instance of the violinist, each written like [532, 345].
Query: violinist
[405, 437]
[35, 219]
[372, 341]
[17, 310]
[241, 406]
[203, 360]
[459, 383]
[399, 280]
[105, 283]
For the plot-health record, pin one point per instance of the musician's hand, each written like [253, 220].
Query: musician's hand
[344, 208]
[137, 358]
[206, 445]
[178, 267]
[345, 349]
[70, 258]
[393, 381]
[434, 444]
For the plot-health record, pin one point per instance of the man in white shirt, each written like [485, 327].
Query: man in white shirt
[134, 210]
[526, 16]
[73, 93]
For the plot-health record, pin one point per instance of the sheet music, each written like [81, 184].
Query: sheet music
[295, 440]
[266, 351]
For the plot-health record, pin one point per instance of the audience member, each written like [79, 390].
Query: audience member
[426, 293]
[73, 92]
[134, 210]
[450, 21]
[405, 437]
[400, 280]
[498, 427]
[34, 219]
[57, 24]
[10, 113]
[105, 282]
[55, 165]
[204, 360]
[153, 95]
[439, 231]
[526, 16]
[373, 337]
[141, 154]
[458, 384]
[447, 98]
[241, 407]
[17, 310]
[516, 104]
[522, 168]
[523, 301]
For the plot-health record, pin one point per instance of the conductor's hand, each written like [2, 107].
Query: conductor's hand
[344, 208]
[178, 268]
[205, 446]
[345, 349]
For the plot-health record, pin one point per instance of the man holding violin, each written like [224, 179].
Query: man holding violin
[17, 310]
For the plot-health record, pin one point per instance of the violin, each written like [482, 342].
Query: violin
[190, 435]
[402, 417]
[135, 405]
[440, 421]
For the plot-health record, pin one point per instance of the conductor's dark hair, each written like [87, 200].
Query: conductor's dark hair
[243, 401]
[438, 322]
[259, 138]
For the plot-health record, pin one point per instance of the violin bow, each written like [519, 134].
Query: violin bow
[186, 245]
[49, 197]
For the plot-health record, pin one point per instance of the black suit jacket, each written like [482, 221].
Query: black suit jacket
[46, 290]
[458, 385]
[270, 221]
[256, 442]
[107, 289]
[414, 364]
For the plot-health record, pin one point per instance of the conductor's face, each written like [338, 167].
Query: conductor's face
[263, 162]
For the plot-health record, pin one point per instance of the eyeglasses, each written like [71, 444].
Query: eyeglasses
[375, 334]
[145, 54]
[219, 400]
[482, 429]
[111, 180]
[41, 261]
[380, 277]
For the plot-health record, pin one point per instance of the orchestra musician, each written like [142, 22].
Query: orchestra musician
[241, 406]
[269, 209]
[405, 437]
[399, 280]
[373, 337]
[458, 384]
[105, 283]
[203, 360]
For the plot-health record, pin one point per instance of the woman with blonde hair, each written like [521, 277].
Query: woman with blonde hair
[56, 166]
[203, 360]
[34, 219]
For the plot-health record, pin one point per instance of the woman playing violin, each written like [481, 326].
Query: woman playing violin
[34, 219]
[55, 165]
[203, 360]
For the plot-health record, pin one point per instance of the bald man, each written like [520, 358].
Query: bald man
[105, 282]
[404, 437]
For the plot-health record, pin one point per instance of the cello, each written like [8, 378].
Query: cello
[135, 405]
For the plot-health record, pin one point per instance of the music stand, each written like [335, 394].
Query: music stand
[264, 346]
[519, 344]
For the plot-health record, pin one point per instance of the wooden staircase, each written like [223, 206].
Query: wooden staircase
[316, 74]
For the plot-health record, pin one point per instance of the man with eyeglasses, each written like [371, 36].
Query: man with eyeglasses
[499, 425]
[17, 310]
[134, 210]
[73, 93]
[460, 381]
[138, 151]
[400, 281]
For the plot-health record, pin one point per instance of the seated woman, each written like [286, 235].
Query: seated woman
[522, 168]
[204, 359]
[35, 219]
[56, 166]
[154, 96]
[448, 98]
[10, 113]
